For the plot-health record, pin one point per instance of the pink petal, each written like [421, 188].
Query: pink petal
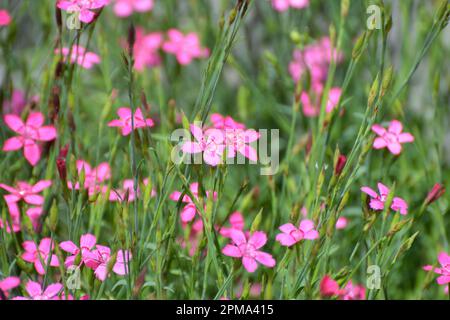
[53, 290]
[285, 239]
[188, 213]
[44, 246]
[265, 259]
[69, 246]
[88, 241]
[86, 16]
[232, 251]
[123, 8]
[379, 130]
[258, 239]
[384, 191]
[369, 191]
[47, 133]
[196, 132]
[395, 127]
[14, 123]
[191, 147]
[238, 237]
[34, 199]
[376, 204]
[101, 272]
[248, 152]
[444, 259]
[379, 143]
[250, 264]
[35, 119]
[395, 148]
[33, 288]
[12, 144]
[32, 152]
[41, 185]
[405, 138]
[443, 280]
[306, 225]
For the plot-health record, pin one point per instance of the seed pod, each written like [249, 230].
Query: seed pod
[359, 46]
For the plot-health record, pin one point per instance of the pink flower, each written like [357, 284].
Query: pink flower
[146, 49]
[127, 192]
[98, 260]
[124, 8]
[237, 222]
[184, 47]
[443, 271]
[377, 201]
[125, 121]
[17, 103]
[80, 56]
[87, 243]
[26, 192]
[314, 59]
[30, 133]
[35, 254]
[238, 141]
[353, 292]
[248, 249]
[392, 138]
[93, 178]
[29, 194]
[8, 284]
[341, 223]
[5, 18]
[312, 109]
[221, 122]
[189, 211]
[283, 5]
[330, 288]
[291, 235]
[210, 142]
[83, 7]
[35, 291]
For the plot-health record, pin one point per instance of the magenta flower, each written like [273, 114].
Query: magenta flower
[210, 142]
[377, 201]
[98, 260]
[189, 210]
[221, 122]
[26, 192]
[443, 271]
[237, 222]
[124, 8]
[125, 121]
[8, 284]
[315, 60]
[283, 5]
[93, 178]
[392, 138]
[146, 49]
[17, 103]
[330, 288]
[80, 56]
[341, 223]
[248, 250]
[5, 18]
[83, 7]
[87, 243]
[39, 255]
[30, 132]
[238, 141]
[35, 291]
[184, 47]
[353, 292]
[312, 109]
[291, 234]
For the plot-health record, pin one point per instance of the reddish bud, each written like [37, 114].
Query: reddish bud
[340, 164]
[436, 192]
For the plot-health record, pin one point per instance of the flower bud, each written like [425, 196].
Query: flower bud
[435, 193]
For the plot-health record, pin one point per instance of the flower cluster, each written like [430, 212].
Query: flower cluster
[226, 138]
